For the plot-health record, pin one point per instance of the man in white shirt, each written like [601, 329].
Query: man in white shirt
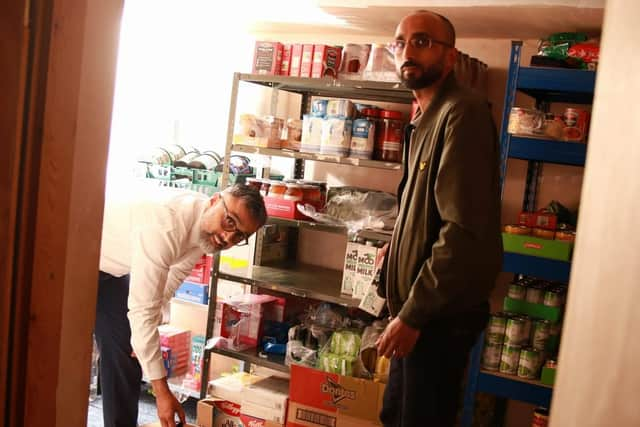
[150, 242]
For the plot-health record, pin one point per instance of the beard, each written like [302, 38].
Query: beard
[205, 243]
[424, 78]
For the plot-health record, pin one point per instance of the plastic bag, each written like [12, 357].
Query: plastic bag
[356, 209]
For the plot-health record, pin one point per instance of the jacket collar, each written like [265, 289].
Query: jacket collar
[448, 85]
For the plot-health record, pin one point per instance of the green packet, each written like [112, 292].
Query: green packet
[336, 364]
[346, 343]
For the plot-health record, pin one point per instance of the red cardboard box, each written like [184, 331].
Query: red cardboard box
[296, 60]
[201, 272]
[267, 58]
[285, 65]
[306, 63]
[213, 412]
[326, 61]
[285, 208]
[321, 398]
[546, 220]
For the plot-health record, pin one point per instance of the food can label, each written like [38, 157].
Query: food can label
[491, 356]
[509, 359]
[528, 364]
[517, 291]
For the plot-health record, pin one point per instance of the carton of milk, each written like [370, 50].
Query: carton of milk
[350, 267]
[365, 269]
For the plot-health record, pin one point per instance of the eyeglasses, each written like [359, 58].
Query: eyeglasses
[418, 42]
[239, 238]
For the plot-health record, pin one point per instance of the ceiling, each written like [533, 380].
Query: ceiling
[493, 19]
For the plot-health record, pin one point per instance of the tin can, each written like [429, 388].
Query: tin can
[541, 333]
[535, 294]
[526, 330]
[517, 291]
[540, 417]
[529, 363]
[514, 331]
[555, 329]
[496, 329]
[491, 354]
[552, 298]
[551, 364]
[509, 359]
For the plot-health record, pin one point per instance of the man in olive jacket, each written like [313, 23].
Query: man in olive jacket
[446, 249]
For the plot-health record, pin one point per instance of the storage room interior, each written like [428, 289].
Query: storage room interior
[175, 85]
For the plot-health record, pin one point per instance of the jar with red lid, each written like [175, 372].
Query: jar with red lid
[389, 137]
[294, 192]
[264, 187]
[255, 183]
[311, 194]
[322, 187]
[277, 189]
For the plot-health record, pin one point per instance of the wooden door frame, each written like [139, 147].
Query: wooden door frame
[60, 59]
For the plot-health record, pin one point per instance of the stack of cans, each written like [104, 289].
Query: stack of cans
[515, 344]
[538, 292]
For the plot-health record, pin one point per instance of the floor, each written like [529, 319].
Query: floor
[146, 412]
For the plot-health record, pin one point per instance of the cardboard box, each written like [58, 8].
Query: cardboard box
[296, 60]
[267, 58]
[231, 387]
[212, 412]
[201, 272]
[322, 399]
[249, 421]
[535, 246]
[267, 399]
[306, 63]
[326, 61]
[285, 65]
[193, 292]
[241, 319]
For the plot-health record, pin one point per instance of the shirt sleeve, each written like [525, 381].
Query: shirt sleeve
[152, 252]
[458, 275]
[179, 271]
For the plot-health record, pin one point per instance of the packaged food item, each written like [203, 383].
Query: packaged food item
[517, 229]
[285, 65]
[273, 130]
[509, 359]
[306, 62]
[264, 187]
[566, 235]
[362, 138]
[525, 121]
[576, 123]
[326, 61]
[311, 139]
[354, 60]
[319, 108]
[535, 294]
[292, 136]
[543, 233]
[294, 192]
[267, 58]
[255, 183]
[340, 108]
[496, 328]
[296, 60]
[277, 189]
[540, 417]
[553, 126]
[541, 334]
[388, 145]
[491, 355]
[251, 130]
[517, 291]
[529, 363]
[381, 65]
[311, 193]
[336, 136]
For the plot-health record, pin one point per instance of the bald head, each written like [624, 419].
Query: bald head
[438, 26]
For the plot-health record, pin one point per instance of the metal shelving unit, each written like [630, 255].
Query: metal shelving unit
[294, 278]
[545, 85]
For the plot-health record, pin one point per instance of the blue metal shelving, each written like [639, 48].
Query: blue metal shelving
[546, 85]
[546, 150]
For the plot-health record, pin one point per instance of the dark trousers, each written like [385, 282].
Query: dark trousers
[120, 374]
[424, 387]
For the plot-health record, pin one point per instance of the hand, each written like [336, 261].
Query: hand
[397, 340]
[167, 404]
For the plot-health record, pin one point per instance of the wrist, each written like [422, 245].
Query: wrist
[160, 387]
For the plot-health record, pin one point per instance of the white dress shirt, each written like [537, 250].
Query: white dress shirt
[152, 234]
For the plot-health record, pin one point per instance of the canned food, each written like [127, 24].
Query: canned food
[491, 356]
[509, 359]
[553, 298]
[514, 331]
[496, 328]
[551, 364]
[541, 333]
[517, 291]
[540, 417]
[528, 363]
[526, 330]
[521, 230]
[535, 294]
[566, 236]
[555, 329]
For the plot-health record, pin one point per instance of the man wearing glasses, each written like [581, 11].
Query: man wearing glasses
[446, 249]
[151, 240]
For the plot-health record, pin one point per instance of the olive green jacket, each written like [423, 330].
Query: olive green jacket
[446, 249]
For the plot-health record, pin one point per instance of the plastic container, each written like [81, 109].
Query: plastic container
[388, 146]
